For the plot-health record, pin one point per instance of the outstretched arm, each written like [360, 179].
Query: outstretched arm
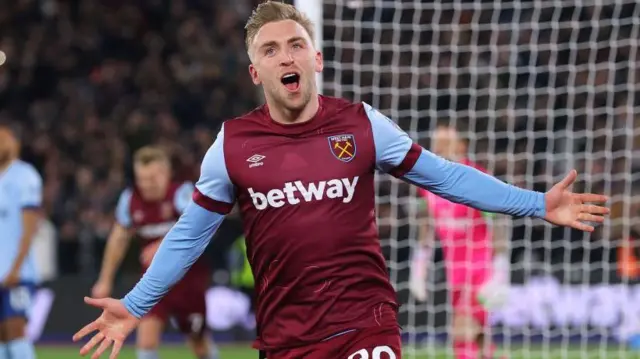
[212, 199]
[182, 246]
[399, 156]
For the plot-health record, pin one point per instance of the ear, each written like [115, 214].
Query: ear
[319, 62]
[462, 147]
[254, 75]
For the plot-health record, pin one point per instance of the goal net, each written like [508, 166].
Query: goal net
[542, 86]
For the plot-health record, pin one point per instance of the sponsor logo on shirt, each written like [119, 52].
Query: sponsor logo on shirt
[151, 231]
[296, 192]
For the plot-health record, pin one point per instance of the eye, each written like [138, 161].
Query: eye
[270, 51]
[297, 45]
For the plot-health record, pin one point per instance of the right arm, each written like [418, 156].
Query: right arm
[117, 246]
[213, 198]
[118, 241]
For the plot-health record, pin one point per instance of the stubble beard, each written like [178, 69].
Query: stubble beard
[296, 104]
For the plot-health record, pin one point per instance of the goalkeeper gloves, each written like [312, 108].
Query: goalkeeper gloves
[418, 276]
[494, 293]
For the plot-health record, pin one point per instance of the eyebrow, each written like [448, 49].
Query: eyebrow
[274, 43]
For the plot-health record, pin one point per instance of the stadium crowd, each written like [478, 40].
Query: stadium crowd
[88, 82]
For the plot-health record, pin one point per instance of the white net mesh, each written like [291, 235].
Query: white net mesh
[543, 86]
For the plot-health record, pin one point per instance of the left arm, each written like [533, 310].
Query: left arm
[398, 155]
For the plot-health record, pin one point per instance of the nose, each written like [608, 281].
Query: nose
[287, 59]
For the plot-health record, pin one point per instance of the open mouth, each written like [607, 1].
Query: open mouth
[291, 81]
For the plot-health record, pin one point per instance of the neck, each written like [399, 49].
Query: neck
[5, 164]
[285, 116]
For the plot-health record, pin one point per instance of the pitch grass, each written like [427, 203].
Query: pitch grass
[242, 352]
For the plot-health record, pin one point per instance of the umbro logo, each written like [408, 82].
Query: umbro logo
[255, 160]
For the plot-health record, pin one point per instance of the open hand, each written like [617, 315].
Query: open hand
[565, 208]
[113, 327]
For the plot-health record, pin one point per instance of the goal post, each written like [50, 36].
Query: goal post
[313, 9]
[542, 87]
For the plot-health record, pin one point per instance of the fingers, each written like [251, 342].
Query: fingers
[104, 346]
[117, 345]
[593, 198]
[569, 179]
[98, 303]
[92, 343]
[590, 218]
[582, 227]
[89, 328]
[593, 209]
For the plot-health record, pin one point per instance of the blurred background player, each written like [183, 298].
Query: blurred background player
[20, 201]
[148, 211]
[477, 267]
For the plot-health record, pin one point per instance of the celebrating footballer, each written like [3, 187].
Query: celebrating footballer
[301, 170]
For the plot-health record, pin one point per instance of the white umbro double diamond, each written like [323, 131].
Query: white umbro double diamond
[256, 160]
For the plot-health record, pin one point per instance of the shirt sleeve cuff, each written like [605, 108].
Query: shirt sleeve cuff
[408, 162]
[541, 205]
[211, 204]
[131, 308]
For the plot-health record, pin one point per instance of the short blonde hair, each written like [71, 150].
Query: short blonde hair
[273, 11]
[151, 154]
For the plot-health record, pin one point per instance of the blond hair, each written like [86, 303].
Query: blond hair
[151, 154]
[273, 11]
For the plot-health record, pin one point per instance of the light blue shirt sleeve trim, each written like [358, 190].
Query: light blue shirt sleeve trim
[391, 143]
[182, 246]
[466, 185]
[123, 209]
[183, 196]
[214, 180]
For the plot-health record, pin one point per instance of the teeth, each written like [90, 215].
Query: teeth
[288, 76]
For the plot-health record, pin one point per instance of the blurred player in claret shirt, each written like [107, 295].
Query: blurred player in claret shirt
[147, 211]
[475, 253]
[301, 168]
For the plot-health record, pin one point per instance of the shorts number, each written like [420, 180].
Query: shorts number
[376, 354]
[197, 321]
[19, 298]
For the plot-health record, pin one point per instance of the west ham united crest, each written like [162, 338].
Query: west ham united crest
[343, 147]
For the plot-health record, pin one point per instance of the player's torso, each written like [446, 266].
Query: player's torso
[152, 220]
[11, 191]
[307, 198]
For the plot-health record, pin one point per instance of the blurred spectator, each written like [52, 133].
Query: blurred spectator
[90, 81]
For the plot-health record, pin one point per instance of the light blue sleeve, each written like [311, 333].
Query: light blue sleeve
[392, 144]
[123, 209]
[183, 196]
[31, 187]
[466, 185]
[398, 155]
[214, 190]
[182, 246]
